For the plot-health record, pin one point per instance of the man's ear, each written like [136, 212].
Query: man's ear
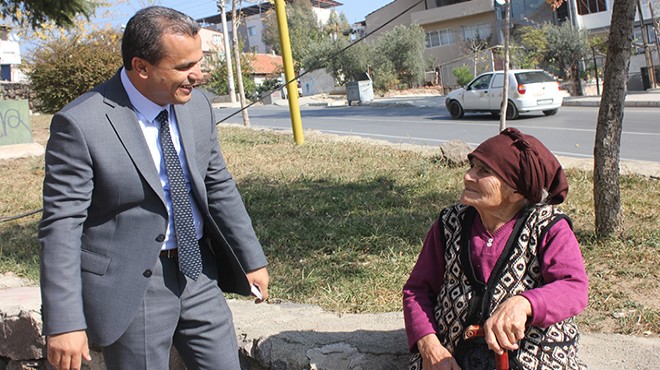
[140, 66]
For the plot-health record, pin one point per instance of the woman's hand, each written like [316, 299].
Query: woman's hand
[434, 355]
[507, 324]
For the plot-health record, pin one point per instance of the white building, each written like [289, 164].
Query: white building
[252, 25]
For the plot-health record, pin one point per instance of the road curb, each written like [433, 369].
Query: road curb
[596, 103]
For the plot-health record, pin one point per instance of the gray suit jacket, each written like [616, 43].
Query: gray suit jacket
[105, 218]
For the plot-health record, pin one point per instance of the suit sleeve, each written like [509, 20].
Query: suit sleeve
[67, 192]
[228, 210]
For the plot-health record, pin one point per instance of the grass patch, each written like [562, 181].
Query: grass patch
[342, 223]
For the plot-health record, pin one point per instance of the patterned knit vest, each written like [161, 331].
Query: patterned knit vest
[463, 300]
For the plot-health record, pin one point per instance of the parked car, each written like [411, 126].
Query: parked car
[529, 91]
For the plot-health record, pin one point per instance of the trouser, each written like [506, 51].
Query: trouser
[191, 315]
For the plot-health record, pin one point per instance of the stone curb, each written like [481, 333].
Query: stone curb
[596, 103]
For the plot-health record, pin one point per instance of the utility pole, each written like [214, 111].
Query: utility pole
[655, 30]
[289, 75]
[647, 52]
[237, 55]
[225, 36]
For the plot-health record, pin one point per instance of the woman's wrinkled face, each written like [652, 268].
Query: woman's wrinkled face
[483, 189]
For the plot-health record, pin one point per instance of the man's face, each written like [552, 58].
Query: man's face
[171, 80]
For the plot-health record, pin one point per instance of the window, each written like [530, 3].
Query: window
[217, 40]
[498, 80]
[481, 83]
[252, 31]
[440, 3]
[479, 31]
[439, 38]
[638, 41]
[590, 6]
[533, 77]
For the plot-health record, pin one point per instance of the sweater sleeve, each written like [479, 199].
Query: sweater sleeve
[421, 290]
[565, 290]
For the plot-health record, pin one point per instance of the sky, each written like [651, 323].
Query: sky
[355, 10]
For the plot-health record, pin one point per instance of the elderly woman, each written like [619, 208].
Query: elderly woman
[504, 258]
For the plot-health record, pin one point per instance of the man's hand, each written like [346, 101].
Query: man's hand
[260, 279]
[66, 350]
[434, 355]
[507, 324]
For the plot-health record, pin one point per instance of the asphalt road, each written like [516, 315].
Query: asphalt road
[570, 133]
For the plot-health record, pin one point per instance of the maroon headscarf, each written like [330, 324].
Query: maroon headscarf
[525, 164]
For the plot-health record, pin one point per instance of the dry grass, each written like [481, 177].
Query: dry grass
[342, 223]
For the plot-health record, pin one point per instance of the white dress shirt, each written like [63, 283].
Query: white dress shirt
[146, 112]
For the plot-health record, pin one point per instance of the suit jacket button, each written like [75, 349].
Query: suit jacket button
[147, 273]
[160, 238]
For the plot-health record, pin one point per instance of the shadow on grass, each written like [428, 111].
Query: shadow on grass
[19, 248]
[322, 216]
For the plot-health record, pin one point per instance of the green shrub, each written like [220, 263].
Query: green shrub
[463, 75]
[63, 68]
[218, 80]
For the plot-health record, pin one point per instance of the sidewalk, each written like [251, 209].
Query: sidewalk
[634, 99]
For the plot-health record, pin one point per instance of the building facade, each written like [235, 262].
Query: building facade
[251, 26]
[455, 27]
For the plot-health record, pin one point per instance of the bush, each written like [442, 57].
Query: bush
[61, 69]
[463, 75]
[218, 81]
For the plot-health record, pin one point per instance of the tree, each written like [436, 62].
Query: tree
[403, 47]
[566, 46]
[304, 30]
[218, 82]
[343, 65]
[65, 67]
[533, 43]
[34, 13]
[463, 75]
[607, 193]
[476, 47]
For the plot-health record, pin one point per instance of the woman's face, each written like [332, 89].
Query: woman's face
[484, 190]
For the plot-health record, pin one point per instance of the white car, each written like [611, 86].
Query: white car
[530, 90]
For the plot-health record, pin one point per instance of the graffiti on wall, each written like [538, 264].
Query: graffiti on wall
[15, 125]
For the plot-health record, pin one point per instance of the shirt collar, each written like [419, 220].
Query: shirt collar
[140, 103]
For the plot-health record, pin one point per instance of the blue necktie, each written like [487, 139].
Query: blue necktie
[190, 261]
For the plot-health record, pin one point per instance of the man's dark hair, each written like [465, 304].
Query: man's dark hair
[144, 31]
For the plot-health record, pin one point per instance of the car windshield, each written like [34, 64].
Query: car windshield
[533, 77]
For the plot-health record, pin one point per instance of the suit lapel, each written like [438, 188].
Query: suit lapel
[125, 123]
[186, 131]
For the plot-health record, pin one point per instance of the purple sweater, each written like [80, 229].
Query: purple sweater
[563, 295]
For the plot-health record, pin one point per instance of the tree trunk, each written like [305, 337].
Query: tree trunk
[228, 64]
[505, 89]
[577, 83]
[237, 56]
[607, 194]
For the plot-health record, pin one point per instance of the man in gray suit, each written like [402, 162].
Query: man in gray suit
[134, 172]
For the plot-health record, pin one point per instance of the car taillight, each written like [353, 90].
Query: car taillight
[521, 89]
[558, 86]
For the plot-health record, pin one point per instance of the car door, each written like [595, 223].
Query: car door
[476, 93]
[496, 92]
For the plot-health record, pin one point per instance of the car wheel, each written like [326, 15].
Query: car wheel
[551, 112]
[511, 111]
[455, 109]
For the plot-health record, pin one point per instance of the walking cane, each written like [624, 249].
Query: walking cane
[474, 331]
